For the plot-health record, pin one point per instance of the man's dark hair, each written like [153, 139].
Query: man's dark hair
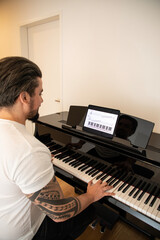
[17, 74]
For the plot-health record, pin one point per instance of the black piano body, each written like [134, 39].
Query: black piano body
[134, 172]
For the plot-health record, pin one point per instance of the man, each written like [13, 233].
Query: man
[32, 205]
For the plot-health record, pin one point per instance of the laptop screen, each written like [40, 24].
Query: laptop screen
[101, 121]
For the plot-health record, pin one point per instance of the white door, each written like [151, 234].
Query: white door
[44, 50]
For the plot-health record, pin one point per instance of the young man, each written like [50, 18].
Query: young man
[32, 205]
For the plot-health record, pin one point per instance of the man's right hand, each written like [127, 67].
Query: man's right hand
[99, 190]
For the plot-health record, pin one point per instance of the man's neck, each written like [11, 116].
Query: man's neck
[12, 115]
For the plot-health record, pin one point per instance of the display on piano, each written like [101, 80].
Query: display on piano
[130, 161]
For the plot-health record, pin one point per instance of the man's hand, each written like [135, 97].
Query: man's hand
[99, 190]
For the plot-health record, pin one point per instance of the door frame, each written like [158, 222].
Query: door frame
[25, 49]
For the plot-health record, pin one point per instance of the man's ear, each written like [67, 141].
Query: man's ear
[24, 97]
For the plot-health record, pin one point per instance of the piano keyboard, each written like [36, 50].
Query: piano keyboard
[132, 190]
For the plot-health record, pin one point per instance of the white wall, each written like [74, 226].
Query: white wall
[110, 50]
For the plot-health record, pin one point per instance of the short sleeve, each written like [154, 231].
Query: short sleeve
[34, 171]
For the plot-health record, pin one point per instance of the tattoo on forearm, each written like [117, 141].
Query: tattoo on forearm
[62, 208]
[50, 202]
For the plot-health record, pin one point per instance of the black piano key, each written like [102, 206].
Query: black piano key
[59, 150]
[153, 201]
[71, 162]
[135, 188]
[104, 173]
[101, 167]
[77, 164]
[90, 170]
[100, 175]
[94, 169]
[125, 183]
[64, 154]
[74, 155]
[112, 178]
[55, 147]
[116, 177]
[139, 190]
[95, 173]
[136, 193]
[86, 160]
[98, 168]
[84, 164]
[86, 168]
[66, 160]
[157, 195]
[112, 181]
[88, 165]
[144, 191]
[55, 152]
[50, 144]
[122, 178]
[150, 195]
[108, 174]
[158, 208]
[76, 161]
[128, 186]
[104, 176]
[89, 162]
[60, 155]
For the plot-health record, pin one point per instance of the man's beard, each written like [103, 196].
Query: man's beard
[33, 114]
[33, 118]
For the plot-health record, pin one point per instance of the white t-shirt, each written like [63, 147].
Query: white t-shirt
[25, 167]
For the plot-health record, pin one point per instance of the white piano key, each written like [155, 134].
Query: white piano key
[119, 195]
[114, 189]
[141, 202]
[133, 201]
[72, 170]
[156, 211]
[152, 211]
[125, 196]
[142, 206]
[158, 216]
[96, 180]
[145, 207]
